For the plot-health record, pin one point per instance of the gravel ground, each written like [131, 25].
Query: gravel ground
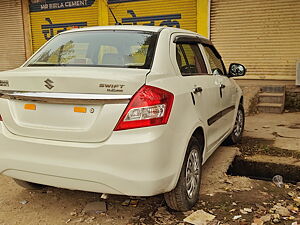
[59, 206]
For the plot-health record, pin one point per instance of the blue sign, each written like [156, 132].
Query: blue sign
[48, 29]
[123, 1]
[169, 20]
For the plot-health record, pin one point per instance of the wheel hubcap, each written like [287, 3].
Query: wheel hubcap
[192, 173]
[238, 123]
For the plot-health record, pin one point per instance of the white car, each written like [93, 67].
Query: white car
[126, 110]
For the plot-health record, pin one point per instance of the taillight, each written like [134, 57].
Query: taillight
[1, 118]
[150, 106]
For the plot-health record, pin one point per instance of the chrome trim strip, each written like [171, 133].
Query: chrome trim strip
[65, 98]
[68, 96]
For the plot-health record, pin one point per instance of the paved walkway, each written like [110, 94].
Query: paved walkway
[284, 129]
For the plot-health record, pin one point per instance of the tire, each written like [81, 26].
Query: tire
[237, 132]
[29, 185]
[184, 196]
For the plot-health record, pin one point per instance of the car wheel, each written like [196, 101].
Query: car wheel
[186, 193]
[237, 133]
[29, 185]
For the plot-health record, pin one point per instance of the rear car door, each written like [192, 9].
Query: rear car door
[200, 85]
[227, 90]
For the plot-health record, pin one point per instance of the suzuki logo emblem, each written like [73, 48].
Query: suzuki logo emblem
[49, 84]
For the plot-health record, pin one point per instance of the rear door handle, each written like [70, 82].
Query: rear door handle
[197, 90]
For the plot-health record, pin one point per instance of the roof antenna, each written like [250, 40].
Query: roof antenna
[117, 23]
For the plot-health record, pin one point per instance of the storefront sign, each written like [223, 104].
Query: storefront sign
[50, 17]
[42, 5]
[171, 13]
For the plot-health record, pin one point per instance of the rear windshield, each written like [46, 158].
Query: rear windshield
[129, 49]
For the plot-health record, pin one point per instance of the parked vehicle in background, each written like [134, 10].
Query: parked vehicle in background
[130, 110]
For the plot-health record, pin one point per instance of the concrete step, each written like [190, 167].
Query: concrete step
[273, 89]
[270, 107]
[267, 97]
[271, 94]
[271, 99]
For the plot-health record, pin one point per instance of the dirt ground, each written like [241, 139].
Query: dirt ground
[224, 196]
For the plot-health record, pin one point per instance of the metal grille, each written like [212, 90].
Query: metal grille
[262, 35]
[12, 48]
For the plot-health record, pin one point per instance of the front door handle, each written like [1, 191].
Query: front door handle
[197, 90]
[222, 86]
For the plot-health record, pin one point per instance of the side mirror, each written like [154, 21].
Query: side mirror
[236, 70]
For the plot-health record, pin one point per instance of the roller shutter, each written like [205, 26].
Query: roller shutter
[12, 47]
[49, 17]
[262, 35]
[176, 13]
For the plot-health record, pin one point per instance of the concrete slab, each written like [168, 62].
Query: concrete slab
[214, 177]
[283, 129]
[274, 159]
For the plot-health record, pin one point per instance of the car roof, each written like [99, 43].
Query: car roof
[171, 30]
[133, 28]
[119, 27]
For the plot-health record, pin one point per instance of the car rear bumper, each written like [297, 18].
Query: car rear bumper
[135, 162]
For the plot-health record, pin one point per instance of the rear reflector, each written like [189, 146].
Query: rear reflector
[150, 106]
[80, 109]
[30, 106]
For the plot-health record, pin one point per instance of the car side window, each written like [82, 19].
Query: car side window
[190, 60]
[216, 64]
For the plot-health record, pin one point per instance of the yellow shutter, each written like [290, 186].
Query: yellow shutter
[12, 48]
[176, 13]
[63, 15]
[262, 35]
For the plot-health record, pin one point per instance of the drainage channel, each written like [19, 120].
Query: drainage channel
[264, 170]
